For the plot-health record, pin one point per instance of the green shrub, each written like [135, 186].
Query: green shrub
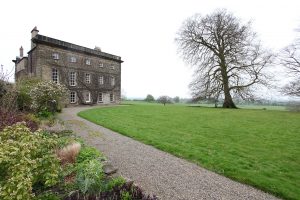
[47, 95]
[90, 176]
[24, 86]
[44, 113]
[126, 196]
[89, 153]
[26, 159]
[47, 196]
[115, 182]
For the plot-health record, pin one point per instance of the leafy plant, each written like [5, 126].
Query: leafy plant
[47, 196]
[44, 113]
[114, 183]
[47, 95]
[89, 153]
[10, 118]
[24, 86]
[90, 176]
[126, 196]
[26, 159]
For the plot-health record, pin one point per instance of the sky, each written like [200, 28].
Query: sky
[142, 32]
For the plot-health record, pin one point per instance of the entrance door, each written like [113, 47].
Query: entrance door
[106, 99]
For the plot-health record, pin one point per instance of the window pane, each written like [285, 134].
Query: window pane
[101, 80]
[72, 78]
[55, 56]
[73, 59]
[100, 97]
[112, 81]
[88, 78]
[72, 97]
[87, 97]
[54, 75]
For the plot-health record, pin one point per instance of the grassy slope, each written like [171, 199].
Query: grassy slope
[258, 147]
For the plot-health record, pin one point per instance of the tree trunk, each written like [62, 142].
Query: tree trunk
[228, 103]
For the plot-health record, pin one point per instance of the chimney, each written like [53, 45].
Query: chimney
[21, 52]
[34, 32]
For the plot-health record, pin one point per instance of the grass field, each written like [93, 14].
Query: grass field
[257, 147]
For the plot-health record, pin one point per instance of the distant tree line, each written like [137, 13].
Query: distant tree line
[162, 99]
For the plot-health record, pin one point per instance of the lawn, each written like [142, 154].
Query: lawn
[257, 147]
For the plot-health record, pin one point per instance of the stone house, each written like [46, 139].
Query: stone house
[92, 76]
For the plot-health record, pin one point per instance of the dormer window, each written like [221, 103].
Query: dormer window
[88, 62]
[55, 56]
[73, 59]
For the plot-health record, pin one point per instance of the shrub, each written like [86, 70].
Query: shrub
[115, 182]
[47, 95]
[127, 190]
[89, 153]
[26, 159]
[69, 153]
[89, 177]
[24, 86]
[8, 101]
[10, 118]
[126, 196]
[47, 196]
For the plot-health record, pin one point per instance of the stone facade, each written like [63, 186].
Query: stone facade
[92, 76]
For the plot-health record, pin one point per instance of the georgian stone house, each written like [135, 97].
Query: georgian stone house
[92, 76]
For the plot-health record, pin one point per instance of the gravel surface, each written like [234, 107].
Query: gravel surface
[157, 172]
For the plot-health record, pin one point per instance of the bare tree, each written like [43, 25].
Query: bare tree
[228, 58]
[8, 92]
[290, 58]
[164, 100]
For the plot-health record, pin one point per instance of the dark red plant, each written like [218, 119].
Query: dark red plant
[10, 118]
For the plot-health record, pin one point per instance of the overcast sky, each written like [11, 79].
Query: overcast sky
[142, 32]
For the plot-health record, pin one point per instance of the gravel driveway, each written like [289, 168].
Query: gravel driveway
[157, 172]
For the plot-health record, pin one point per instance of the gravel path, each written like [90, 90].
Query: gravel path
[157, 172]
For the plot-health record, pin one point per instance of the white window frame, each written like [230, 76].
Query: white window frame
[112, 81]
[112, 67]
[55, 56]
[55, 75]
[73, 99]
[101, 80]
[72, 78]
[87, 78]
[100, 100]
[73, 59]
[87, 97]
[111, 97]
[87, 61]
[101, 65]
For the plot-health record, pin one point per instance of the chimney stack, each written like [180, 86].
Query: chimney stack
[34, 32]
[21, 52]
